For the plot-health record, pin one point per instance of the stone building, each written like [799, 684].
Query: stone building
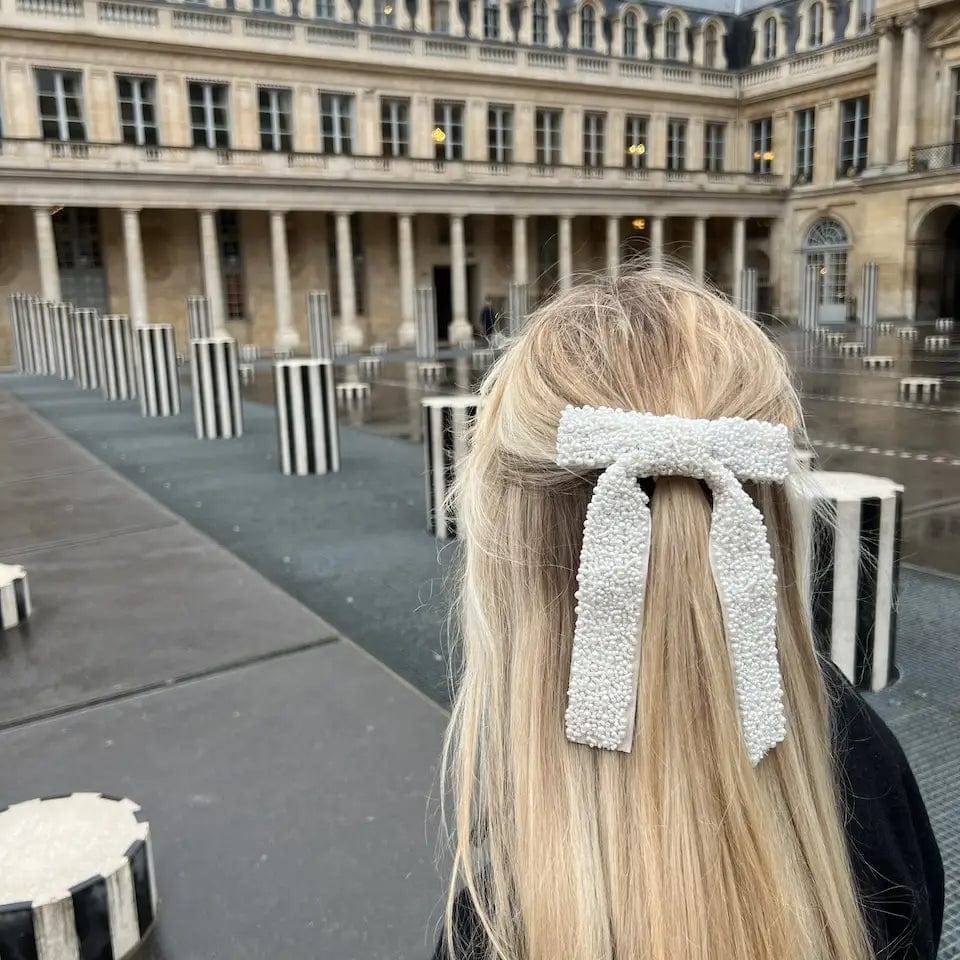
[260, 149]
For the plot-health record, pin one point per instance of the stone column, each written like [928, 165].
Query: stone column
[460, 327]
[407, 332]
[880, 144]
[212, 280]
[739, 254]
[286, 335]
[698, 267]
[136, 276]
[519, 249]
[613, 247]
[349, 331]
[565, 252]
[909, 68]
[656, 241]
[47, 254]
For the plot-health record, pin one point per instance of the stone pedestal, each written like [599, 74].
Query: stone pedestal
[217, 410]
[307, 417]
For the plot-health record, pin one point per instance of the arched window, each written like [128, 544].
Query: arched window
[588, 27]
[671, 44]
[770, 38]
[540, 14]
[630, 34]
[711, 43]
[815, 25]
[826, 247]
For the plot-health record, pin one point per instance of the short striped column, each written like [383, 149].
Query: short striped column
[446, 423]
[249, 353]
[748, 292]
[877, 362]
[810, 297]
[307, 417]
[282, 353]
[118, 367]
[426, 321]
[467, 343]
[920, 388]
[340, 348]
[88, 337]
[856, 525]
[157, 380]
[943, 324]
[907, 333]
[517, 308]
[79, 879]
[370, 366]
[936, 343]
[431, 372]
[248, 374]
[352, 394]
[217, 410]
[63, 339]
[379, 349]
[885, 326]
[319, 325]
[853, 348]
[869, 276]
[46, 333]
[834, 338]
[481, 359]
[199, 324]
[18, 332]
[14, 595]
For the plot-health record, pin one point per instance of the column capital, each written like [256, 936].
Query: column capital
[884, 26]
[910, 21]
[130, 209]
[279, 213]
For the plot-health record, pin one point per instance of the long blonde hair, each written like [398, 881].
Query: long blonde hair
[679, 850]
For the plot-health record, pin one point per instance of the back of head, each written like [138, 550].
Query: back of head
[679, 848]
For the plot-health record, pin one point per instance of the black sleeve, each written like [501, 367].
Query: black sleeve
[895, 857]
[469, 938]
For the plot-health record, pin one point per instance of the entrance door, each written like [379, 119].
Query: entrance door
[442, 293]
[83, 279]
[826, 248]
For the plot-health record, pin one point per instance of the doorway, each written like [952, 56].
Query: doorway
[83, 279]
[826, 248]
[443, 298]
[938, 264]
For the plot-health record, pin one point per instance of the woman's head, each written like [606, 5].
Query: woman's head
[679, 848]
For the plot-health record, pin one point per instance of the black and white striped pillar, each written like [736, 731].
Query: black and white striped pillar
[248, 374]
[834, 338]
[307, 417]
[63, 339]
[88, 337]
[852, 348]
[481, 359]
[907, 333]
[199, 323]
[118, 367]
[353, 394]
[379, 349]
[217, 410]
[943, 324]
[810, 297]
[936, 342]
[18, 332]
[748, 292]
[517, 308]
[878, 362]
[869, 276]
[341, 348]
[47, 334]
[430, 372]
[249, 353]
[319, 325]
[920, 388]
[158, 382]
[446, 424]
[14, 595]
[856, 525]
[426, 320]
[79, 879]
[885, 326]
[28, 334]
[370, 366]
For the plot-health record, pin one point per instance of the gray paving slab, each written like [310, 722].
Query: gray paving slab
[289, 803]
[19, 425]
[40, 457]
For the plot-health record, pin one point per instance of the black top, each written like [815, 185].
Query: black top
[896, 860]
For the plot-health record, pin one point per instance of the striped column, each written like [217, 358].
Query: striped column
[14, 595]
[370, 366]
[810, 297]
[885, 326]
[878, 362]
[426, 320]
[943, 324]
[851, 348]
[64, 340]
[920, 388]
[88, 337]
[20, 333]
[906, 333]
[446, 422]
[217, 411]
[868, 294]
[199, 323]
[46, 335]
[249, 352]
[856, 525]
[320, 326]
[748, 292]
[353, 394]
[307, 417]
[379, 349]
[117, 365]
[936, 342]
[517, 307]
[157, 381]
[248, 374]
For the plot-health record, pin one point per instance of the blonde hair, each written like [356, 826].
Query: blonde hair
[679, 850]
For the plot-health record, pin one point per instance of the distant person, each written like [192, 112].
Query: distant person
[703, 788]
[488, 317]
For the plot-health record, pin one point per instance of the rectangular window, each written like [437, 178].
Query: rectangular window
[594, 125]
[804, 132]
[714, 146]
[761, 140]
[208, 114]
[540, 22]
[440, 16]
[676, 144]
[448, 130]
[548, 135]
[60, 99]
[359, 271]
[326, 10]
[854, 135]
[336, 123]
[635, 142]
[231, 264]
[263, 6]
[394, 127]
[955, 125]
[276, 119]
[137, 100]
[383, 13]
[499, 134]
[491, 19]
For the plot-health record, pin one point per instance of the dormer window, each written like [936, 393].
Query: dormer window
[770, 38]
[671, 45]
[815, 25]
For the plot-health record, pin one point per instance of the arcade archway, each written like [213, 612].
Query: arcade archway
[938, 264]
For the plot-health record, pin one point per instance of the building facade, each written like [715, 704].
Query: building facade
[256, 150]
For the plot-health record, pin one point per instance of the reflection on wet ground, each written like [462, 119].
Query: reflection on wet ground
[854, 417]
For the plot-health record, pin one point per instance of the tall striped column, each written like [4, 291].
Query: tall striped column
[446, 422]
[46, 335]
[426, 320]
[855, 524]
[869, 277]
[88, 338]
[63, 340]
[118, 367]
[157, 381]
[517, 307]
[20, 333]
[307, 417]
[748, 292]
[320, 325]
[217, 411]
[199, 323]
[810, 297]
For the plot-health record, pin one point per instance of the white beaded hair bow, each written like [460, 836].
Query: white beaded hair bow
[601, 699]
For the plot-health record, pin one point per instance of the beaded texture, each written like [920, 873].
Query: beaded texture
[626, 445]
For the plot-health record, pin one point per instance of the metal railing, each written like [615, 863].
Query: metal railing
[934, 156]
